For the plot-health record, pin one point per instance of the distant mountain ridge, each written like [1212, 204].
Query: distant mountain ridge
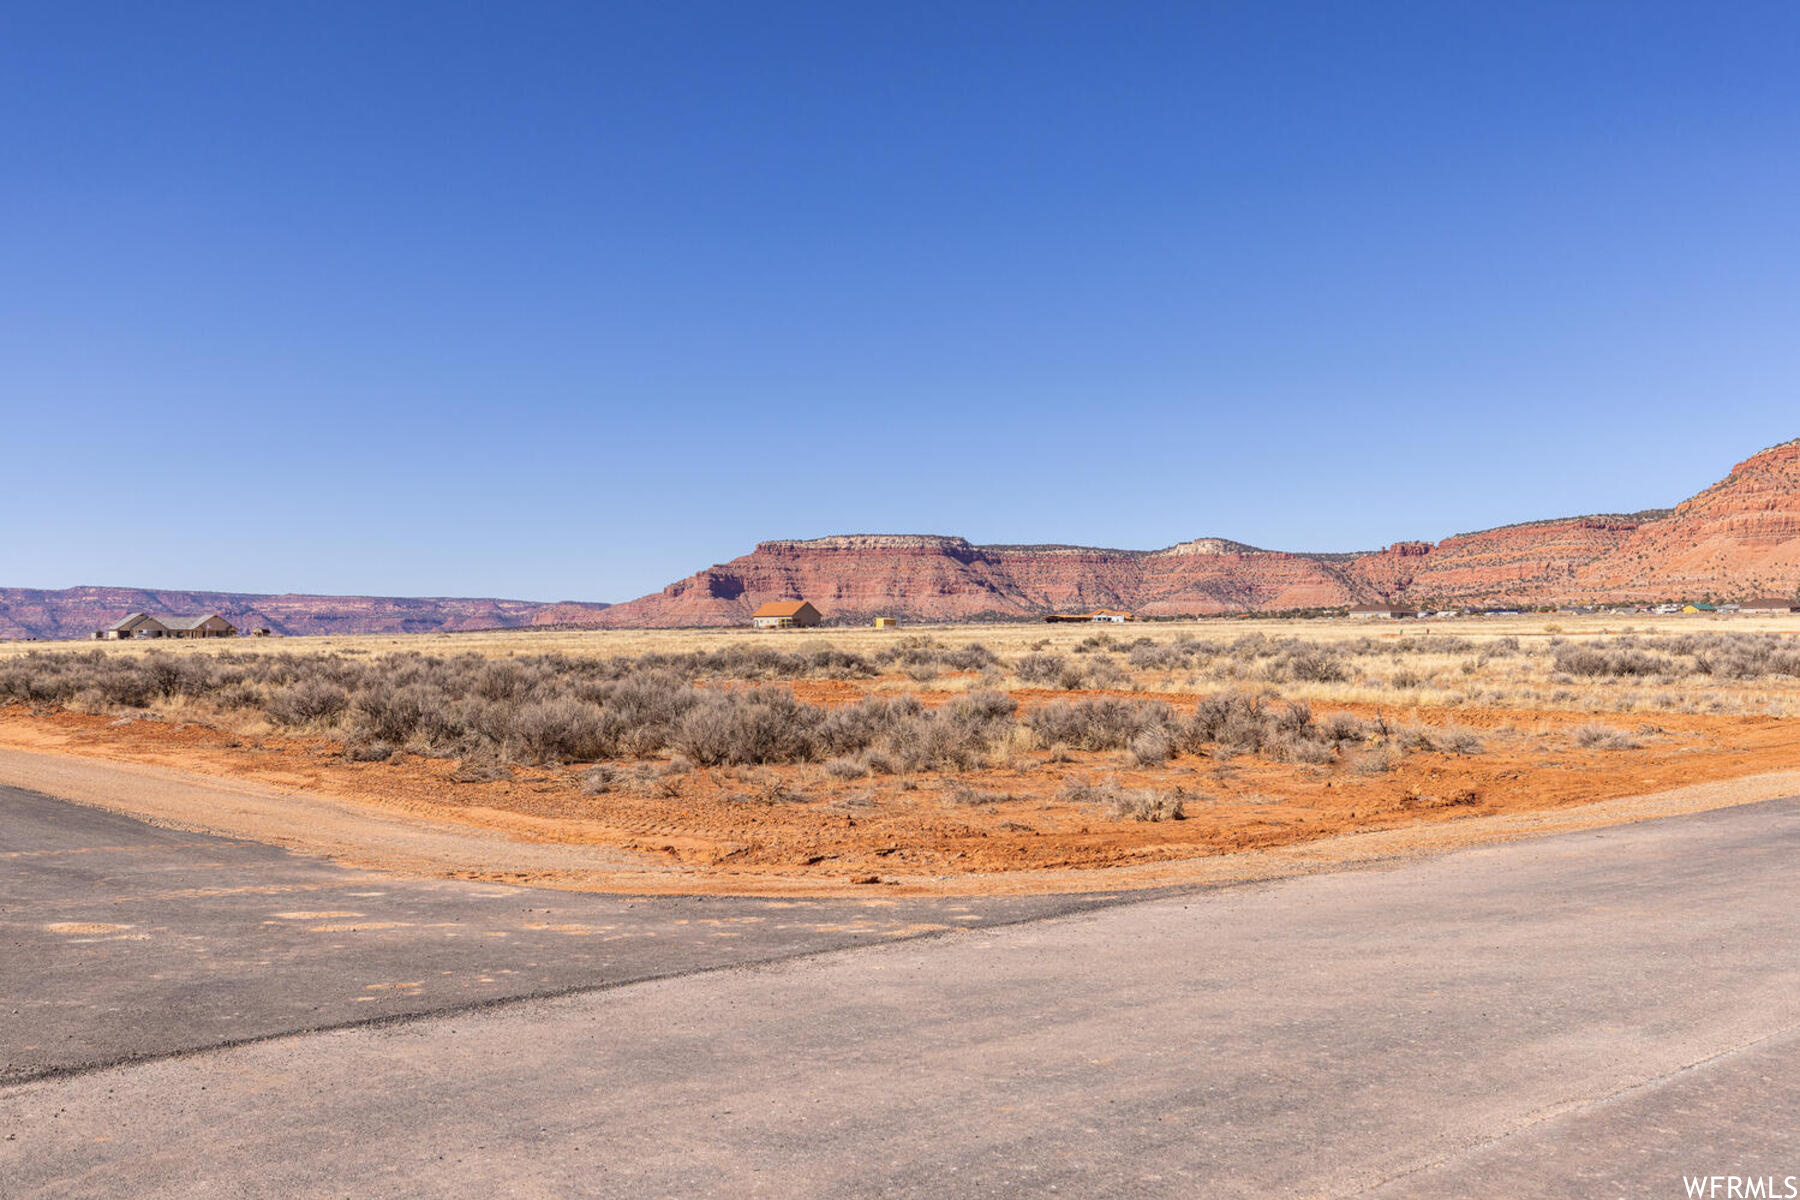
[1738, 538]
[77, 612]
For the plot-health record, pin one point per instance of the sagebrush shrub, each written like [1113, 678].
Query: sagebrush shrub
[765, 726]
[1122, 804]
[307, 701]
[1097, 723]
[1040, 668]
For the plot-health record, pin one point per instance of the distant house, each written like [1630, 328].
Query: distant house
[209, 625]
[143, 625]
[1109, 616]
[1770, 604]
[1380, 612]
[133, 625]
[785, 614]
[886, 622]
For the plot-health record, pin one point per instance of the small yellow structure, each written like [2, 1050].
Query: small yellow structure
[887, 622]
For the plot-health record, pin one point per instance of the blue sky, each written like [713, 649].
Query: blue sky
[567, 301]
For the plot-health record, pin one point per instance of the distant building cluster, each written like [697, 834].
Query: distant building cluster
[1101, 616]
[1381, 612]
[1762, 604]
[799, 613]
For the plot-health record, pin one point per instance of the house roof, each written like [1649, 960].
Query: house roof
[130, 620]
[781, 608]
[1768, 602]
[179, 623]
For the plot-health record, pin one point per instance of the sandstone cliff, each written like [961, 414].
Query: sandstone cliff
[945, 579]
[1738, 538]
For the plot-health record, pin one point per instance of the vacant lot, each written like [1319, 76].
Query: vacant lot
[910, 755]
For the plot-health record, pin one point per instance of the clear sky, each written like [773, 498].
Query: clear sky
[568, 301]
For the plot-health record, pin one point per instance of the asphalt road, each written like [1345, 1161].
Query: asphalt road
[1595, 1014]
[120, 940]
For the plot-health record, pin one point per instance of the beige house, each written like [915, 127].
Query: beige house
[785, 614]
[1380, 612]
[143, 625]
[133, 625]
[1770, 604]
[209, 625]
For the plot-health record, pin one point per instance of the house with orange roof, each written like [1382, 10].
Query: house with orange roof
[785, 614]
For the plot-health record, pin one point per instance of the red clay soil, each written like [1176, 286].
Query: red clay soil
[798, 823]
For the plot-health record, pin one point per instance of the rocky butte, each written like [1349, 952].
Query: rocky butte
[1740, 537]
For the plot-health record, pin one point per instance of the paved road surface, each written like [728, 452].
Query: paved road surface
[121, 940]
[1588, 1015]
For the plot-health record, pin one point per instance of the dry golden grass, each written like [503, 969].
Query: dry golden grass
[1012, 637]
[1403, 670]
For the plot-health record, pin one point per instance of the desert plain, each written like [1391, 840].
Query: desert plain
[928, 760]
